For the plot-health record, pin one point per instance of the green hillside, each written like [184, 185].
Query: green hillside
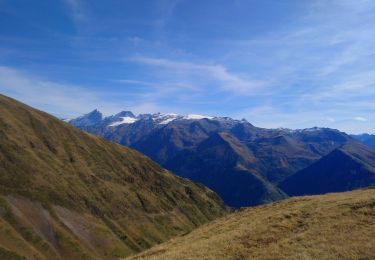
[66, 193]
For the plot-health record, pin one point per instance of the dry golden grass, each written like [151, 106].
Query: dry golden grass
[333, 226]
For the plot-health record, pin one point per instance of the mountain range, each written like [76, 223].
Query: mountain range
[67, 194]
[246, 165]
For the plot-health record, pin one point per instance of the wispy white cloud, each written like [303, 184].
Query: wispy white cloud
[324, 61]
[62, 99]
[295, 119]
[156, 85]
[351, 90]
[134, 82]
[199, 73]
[330, 119]
[68, 100]
[166, 9]
[359, 118]
[77, 10]
[65, 99]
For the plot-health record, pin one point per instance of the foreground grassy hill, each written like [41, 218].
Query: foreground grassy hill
[332, 226]
[68, 194]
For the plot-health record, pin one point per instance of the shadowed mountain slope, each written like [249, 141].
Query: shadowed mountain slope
[224, 164]
[332, 226]
[69, 194]
[347, 168]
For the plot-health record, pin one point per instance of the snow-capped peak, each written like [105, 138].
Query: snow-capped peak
[197, 117]
[163, 119]
[125, 120]
[127, 117]
[88, 119]
[159, 118]
[311, 129]
[167, 121]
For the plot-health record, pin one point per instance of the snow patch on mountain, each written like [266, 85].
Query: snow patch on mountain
[167, 121]
[127, 117]
[125, 120]
[163, 119]
[197, 117]
[312, 129]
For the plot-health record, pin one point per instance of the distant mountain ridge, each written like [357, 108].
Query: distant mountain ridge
[243, 163]
[127, 117]
[367, 139]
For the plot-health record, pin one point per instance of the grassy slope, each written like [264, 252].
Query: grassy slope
[65, 193]
[332, 226]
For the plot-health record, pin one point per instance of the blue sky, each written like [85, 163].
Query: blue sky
[279, 63]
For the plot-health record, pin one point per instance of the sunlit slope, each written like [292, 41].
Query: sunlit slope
[332, 226]
[66, 193]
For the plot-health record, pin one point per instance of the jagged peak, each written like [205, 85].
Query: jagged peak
[125, 113]
[88, 119]
[128, 117]
[95, 111]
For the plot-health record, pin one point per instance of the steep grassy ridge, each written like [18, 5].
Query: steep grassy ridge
[332, 226]
[66, 193]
